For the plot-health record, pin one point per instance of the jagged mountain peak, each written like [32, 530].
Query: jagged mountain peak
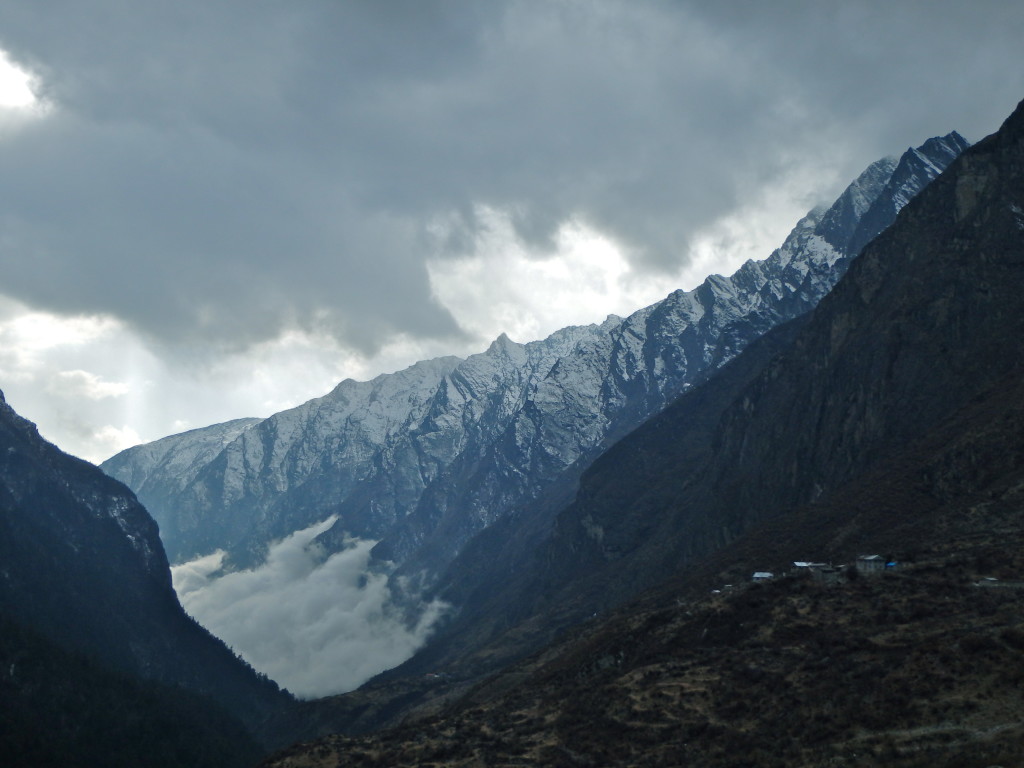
[915, 168]
[423, 370]
[503, 346]
[930, 158]
[949, 146]
[841, 219]
[173, 462]
[811, 219]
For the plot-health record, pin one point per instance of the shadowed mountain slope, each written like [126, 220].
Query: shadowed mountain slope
[927, 319]
[82, 567]
[60, 708]
[889, 419]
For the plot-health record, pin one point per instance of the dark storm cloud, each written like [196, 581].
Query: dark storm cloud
[221, 171]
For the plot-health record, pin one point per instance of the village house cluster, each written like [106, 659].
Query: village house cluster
[826, 574]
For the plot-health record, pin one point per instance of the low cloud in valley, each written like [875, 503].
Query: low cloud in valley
[317, 625]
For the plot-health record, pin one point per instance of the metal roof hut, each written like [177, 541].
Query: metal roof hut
[870, 564]
[806, 567]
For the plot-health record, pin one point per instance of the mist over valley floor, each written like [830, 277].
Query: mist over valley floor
[316, 623]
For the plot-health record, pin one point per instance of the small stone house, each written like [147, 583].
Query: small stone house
[827, 576]
[870, 564]
[763, 576]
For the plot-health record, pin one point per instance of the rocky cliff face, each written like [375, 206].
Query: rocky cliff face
[426, 458]
[81, 564]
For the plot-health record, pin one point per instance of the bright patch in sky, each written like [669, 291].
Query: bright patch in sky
[503, 287]
[316, 625]
[35, 332]
[95, 388]
[15, 85]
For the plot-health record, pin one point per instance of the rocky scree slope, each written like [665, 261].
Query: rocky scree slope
[425, 458]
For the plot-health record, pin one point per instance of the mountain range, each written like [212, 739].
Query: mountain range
[886, 421]
[424, 459]
[806, 408]
[583, 502]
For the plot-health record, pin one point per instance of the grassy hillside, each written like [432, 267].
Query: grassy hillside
[914, 668]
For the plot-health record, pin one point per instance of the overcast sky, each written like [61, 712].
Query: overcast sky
[220, 209]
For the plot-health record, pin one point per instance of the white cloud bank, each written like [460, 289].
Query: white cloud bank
[316, 626]
[84, 384]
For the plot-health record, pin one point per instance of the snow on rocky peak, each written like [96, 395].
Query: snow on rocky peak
[424, 458]
[173, 461]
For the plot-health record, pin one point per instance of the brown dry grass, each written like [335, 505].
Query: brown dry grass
[909, 669]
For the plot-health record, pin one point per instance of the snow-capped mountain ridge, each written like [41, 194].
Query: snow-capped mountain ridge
[424, 458]
[914, 170]
[175, 460]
